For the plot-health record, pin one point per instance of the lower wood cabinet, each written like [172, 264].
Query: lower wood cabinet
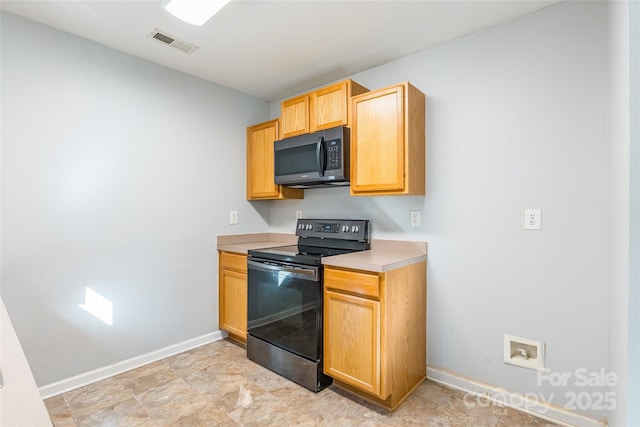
[375, 331]
[232, 295]
[353, 353]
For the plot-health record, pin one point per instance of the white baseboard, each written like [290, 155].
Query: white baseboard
[501, 397]
[90, 377]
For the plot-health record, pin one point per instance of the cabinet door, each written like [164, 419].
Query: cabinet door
[260, 166]
[329, 107]
[378, 141]
[295, 116]
[233, 294]
[352, 340]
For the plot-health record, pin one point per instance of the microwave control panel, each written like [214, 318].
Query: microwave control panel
[334, 156]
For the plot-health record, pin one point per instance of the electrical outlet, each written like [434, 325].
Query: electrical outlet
[298, 214]
[532, 219]
[233, 217]
[415, 218]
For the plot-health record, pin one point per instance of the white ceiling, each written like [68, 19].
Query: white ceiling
[275, 49]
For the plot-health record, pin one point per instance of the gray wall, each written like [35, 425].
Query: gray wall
[117, 174]
[624, 261]
[516, 118]
[633, 409]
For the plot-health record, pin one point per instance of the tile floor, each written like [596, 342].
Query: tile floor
[216, 385]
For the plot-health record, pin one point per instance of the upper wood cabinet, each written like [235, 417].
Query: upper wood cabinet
[321, 109]
[294, 116]
[331, 106]
[260, 166]
[388, 142]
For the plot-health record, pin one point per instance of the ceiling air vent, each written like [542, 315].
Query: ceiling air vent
[167, 39]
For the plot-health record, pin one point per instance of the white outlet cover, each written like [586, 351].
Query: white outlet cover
[233, 217]
[415, 218]
[532, 219]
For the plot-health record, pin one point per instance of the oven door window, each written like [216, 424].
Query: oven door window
[284, 306]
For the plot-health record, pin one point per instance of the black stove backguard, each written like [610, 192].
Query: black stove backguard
[332, 231]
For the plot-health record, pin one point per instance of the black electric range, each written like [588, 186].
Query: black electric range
[285, 298]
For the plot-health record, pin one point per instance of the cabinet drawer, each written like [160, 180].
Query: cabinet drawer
[355, 282]
[233, 261]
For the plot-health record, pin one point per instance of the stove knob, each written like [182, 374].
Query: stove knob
[345, 228]
[355, 228]
[309, 226]
[300, 226]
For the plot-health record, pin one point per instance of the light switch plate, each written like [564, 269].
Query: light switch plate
[415, 218]
[233, 217]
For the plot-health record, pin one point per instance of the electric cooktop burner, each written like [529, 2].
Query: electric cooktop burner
[293, 253]
[318, 238]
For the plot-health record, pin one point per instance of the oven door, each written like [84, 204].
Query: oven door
[285, 306]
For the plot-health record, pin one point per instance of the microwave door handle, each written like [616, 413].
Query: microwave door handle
[320, 156]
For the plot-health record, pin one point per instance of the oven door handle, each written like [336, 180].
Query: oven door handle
[301, 273]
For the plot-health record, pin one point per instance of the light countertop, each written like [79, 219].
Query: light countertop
[242, 243]
[385, 255]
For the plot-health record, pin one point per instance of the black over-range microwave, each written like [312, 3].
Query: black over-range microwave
[319, 159]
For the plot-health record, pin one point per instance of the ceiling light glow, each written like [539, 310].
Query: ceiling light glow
[195, 12]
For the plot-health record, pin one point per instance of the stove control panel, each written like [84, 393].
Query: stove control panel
[346, 229]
